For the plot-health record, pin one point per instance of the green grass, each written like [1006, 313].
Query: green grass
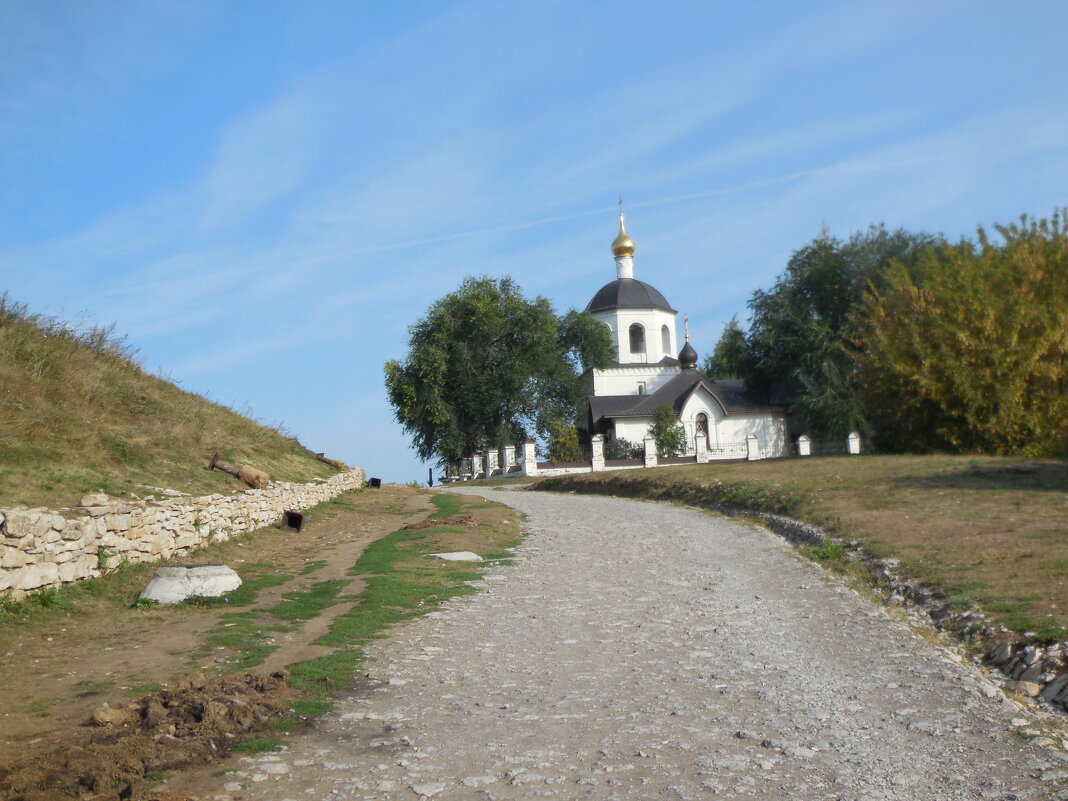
[258, 745]
[447, 505]
[311, 567]
[145, 689]
[242, 637]
[301, 606]
[828, 552]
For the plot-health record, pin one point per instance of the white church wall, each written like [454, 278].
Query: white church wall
[625, 380]
[769, 429]
[652, 321]
[632, 429]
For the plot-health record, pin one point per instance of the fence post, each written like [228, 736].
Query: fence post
[853, 443]
[752, 448]
[476, 466]
[650, 451]
[597, 452]
[509, 459]
[804, 446]
[530, 458]
[491, 462]
[702, 449]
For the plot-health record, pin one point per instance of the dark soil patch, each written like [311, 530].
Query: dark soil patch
[110, 759]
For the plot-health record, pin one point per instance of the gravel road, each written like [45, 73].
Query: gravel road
[641, 651]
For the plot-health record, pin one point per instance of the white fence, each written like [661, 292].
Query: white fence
[495, 464]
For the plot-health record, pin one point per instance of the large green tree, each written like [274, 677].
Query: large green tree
[967, 349]
[801, 329]
[488, 366]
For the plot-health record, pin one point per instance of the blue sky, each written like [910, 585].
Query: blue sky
[263, 196]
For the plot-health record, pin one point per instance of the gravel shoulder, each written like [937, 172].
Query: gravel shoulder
[639, 651]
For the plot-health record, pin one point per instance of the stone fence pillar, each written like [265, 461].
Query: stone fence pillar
[650, 451]
[509, 459]
[597, 452]
[702, 449]
[804, 446]
[853, 443]
[530, 458]
[476, 466]
[752, 446]
[491, 462]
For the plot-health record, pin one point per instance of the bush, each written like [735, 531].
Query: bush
[623, 449]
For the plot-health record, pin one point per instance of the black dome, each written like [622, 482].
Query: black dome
[688, 356]
[628, 293]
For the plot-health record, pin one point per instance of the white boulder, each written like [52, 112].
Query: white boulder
[171, 585]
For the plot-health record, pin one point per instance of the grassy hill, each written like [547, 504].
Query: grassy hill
[79, 415]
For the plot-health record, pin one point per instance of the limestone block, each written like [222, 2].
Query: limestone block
[96, 499]
[70, 571]
[33, 577]
[12, 557]
[59, 522]
[5, 580]
[118, 522]
[74, 530]
[19, 523]
[96, 511]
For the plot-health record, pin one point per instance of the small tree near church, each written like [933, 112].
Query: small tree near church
[668, 432]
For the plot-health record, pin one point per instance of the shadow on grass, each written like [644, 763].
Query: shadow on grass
[1037, 475]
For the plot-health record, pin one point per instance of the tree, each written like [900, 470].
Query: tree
[730, 358]
[668, 432]
[968, 348]
[487, 366]
[800, 332]
[564, 442]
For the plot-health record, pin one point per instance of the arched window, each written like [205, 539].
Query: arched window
[665, 340]
[702, 429]
[637, 339]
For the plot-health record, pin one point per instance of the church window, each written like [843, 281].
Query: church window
[665, 340]
[641, 387]
[637, 339]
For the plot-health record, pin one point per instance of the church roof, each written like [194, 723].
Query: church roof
[729, 394]
[628, 293]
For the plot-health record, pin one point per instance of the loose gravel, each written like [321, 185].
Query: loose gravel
[639, 651]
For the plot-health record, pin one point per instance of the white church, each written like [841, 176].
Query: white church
[650, 370]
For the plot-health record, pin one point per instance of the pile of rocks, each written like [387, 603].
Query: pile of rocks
[44, 548]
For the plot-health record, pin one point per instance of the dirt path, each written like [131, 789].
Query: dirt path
[54, 676]
[641, 651]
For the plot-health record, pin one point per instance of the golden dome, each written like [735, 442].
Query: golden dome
[622, 245]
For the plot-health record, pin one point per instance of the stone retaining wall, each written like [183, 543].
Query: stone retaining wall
[41, 548]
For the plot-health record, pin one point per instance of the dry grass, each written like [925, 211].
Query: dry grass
[77, 415]
[987, 531]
